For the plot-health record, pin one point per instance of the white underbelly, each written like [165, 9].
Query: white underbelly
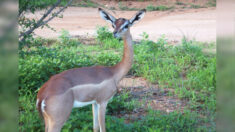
[81, 104]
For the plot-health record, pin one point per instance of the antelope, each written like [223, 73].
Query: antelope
[94, 85]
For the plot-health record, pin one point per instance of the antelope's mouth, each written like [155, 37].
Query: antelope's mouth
[116, 35]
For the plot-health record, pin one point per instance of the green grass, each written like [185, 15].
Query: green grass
[158, 8]
[86, 3]
[34, 5]
[122, 7]
[184, 68]
[112, 8]
[196, 6]
[212, 3]
[179, 3]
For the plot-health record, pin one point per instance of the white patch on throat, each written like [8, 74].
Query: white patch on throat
[81, 104]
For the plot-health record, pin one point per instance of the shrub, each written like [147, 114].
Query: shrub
[106, 39]
[211, 3]
[158, 8]
[196, 6]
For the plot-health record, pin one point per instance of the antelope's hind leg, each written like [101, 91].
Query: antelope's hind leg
[57, 111]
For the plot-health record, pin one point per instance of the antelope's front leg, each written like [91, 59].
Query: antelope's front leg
[95, 117]
[101, 115]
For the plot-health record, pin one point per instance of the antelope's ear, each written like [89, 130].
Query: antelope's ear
[138, 16]
[106, 16]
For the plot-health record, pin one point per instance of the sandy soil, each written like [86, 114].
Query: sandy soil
[198, 24]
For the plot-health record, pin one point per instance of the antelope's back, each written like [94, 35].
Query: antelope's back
[60, 83]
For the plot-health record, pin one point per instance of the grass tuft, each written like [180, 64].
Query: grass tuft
[126, 8]
[196, 6]
[158, 8]
[211, 3]
[179, 3]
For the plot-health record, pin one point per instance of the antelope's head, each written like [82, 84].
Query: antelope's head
[121, 25]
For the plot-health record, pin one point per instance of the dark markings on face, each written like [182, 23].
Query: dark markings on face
[121, 23]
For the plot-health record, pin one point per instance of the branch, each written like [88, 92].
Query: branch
[58, 12]
[39, 21]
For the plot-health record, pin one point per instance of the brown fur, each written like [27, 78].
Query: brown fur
[119, 23]
[61, 82]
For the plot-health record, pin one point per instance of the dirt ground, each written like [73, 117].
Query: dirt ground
[198, 24]
[151, 95]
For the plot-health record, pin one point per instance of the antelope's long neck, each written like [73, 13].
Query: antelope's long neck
[122, 68]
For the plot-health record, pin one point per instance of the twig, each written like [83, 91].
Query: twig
[58, 12]
[41, 22]
[41, 19]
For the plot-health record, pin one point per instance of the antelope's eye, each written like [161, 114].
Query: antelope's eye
[126, 26]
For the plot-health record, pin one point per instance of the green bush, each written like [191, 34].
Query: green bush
[211, 3]
[86, 3]
[106, 39]
[158, 8]
[34, 5]
[196, 6]
[126, 8]
[29, 120]
[36, 66]
[179, 3]
[120, 104]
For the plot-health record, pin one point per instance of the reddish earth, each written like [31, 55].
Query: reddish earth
[198, 24]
